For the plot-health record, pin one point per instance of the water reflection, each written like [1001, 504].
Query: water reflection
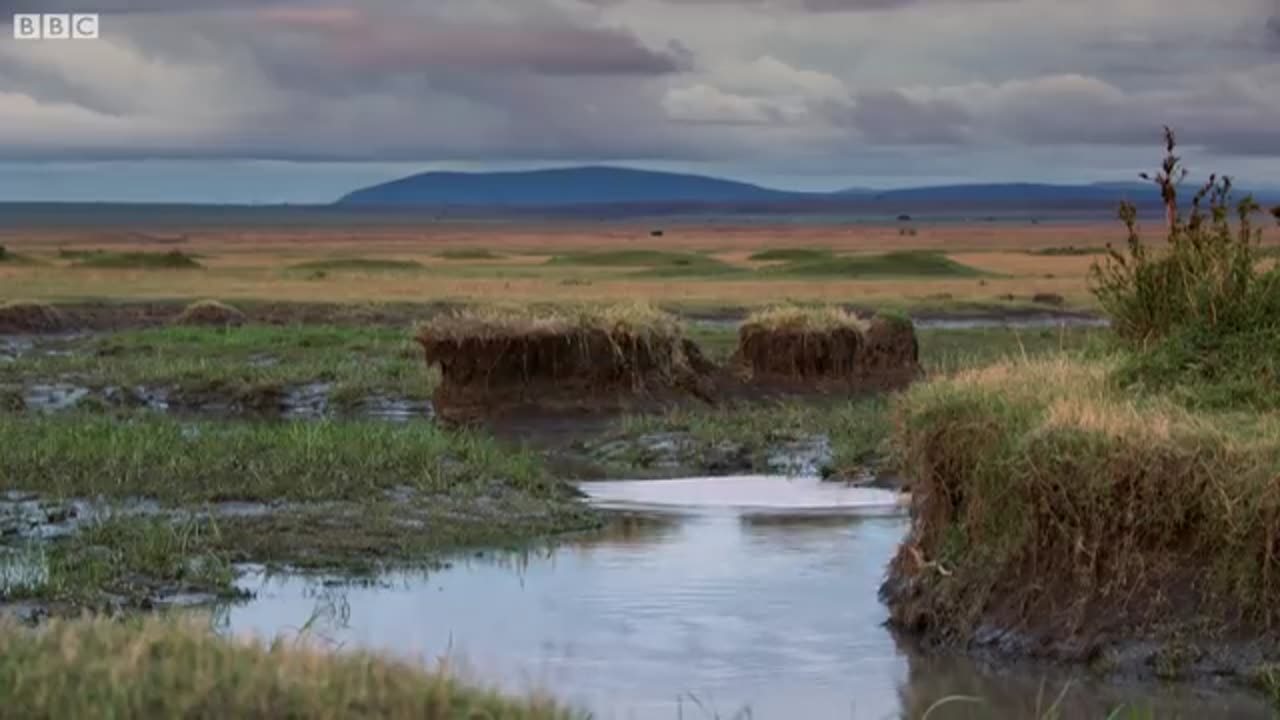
[691, 616]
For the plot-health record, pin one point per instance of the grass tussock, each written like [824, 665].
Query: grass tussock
[171, 260]
[827, 343]
[523, 353]
[28, 316]
[211, 313]
[788, 318]
[1047, 500]
[159, 667]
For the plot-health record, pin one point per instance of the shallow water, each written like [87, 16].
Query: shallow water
[695, 613]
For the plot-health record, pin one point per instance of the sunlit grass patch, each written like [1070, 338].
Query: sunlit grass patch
[178, 667]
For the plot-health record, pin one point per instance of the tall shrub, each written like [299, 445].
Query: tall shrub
[1207, 275]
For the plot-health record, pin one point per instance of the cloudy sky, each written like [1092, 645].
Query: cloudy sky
[302, 100]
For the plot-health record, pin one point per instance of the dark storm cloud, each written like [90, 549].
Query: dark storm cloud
[624, 80]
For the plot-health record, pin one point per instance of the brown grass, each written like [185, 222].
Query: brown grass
[797, 344]
[1051, 506]
[167, 668]
[248, 264]
[211, 313]
[497, 358]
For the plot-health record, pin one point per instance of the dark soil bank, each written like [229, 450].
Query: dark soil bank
[1054, 520]
[494, 368]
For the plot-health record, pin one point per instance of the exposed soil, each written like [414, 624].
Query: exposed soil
[30, 317]
[580, 370]
[884, 355]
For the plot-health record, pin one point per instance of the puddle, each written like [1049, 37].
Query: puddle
[54, 397]
[14, 347]
[396, 409]
[298, 402]
[701, 615]
[745, 494]
[306, 401]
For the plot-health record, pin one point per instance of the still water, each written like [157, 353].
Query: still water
[759, 601]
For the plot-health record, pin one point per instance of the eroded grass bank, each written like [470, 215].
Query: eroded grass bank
[182, 669]
[1057, 515]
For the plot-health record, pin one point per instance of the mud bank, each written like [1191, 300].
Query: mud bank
[1055, 518]
[798, 348]
[585, 360]
[605, 361]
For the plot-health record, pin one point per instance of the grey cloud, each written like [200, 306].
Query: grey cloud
[891, 117]
[8, 7]
[818, 6]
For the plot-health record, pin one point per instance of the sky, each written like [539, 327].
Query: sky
[267, 101]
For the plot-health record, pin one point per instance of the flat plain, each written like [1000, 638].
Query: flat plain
[997, 264]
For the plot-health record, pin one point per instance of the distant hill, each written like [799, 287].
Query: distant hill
[561, 187]
[611, 192]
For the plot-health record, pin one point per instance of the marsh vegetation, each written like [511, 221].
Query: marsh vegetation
[1119, 507]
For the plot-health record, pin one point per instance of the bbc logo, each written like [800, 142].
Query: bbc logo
[55, 26]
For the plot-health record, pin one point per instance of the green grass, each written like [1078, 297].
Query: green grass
[909, 263]
[172, 260]
[470, 254]
[791, 255]
[177, 667]
[1068, 250]
[251, 364]
[630, 259]
[354, 496]
[357, 265]
[196, 462]
[8, 257]
[944, 351]
[120, 562]
[648, 263]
